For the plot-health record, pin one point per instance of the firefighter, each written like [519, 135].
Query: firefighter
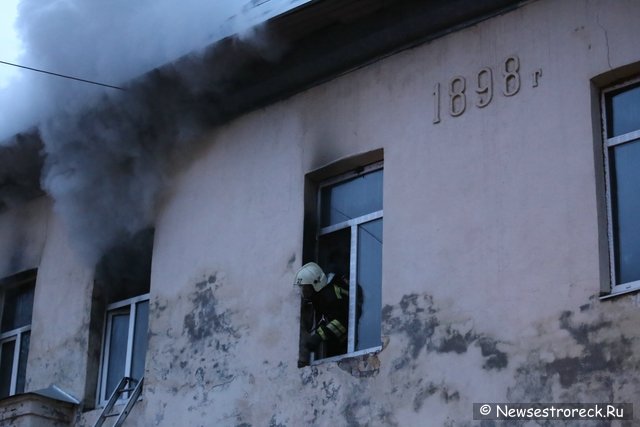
[329, 295]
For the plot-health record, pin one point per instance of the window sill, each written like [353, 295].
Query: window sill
[346, 356]
[622, 290]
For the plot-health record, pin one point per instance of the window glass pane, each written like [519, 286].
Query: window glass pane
[623, 110]
[18, 304]
[140, 340]
[6, 367]
[369, 284]
[625, 201]
[22, 361]
[351, 199]
[117, 351]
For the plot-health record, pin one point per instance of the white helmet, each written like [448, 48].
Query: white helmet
[311, 274]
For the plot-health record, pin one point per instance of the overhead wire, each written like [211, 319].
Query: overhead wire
[62, 75]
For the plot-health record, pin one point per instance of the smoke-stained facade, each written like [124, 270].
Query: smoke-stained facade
[497, 250]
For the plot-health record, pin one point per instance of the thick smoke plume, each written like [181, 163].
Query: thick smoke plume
[111, 42]
[109, 154]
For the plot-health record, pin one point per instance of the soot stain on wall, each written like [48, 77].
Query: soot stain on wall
[196, 360]
[418, 323]
[416, 317]
[273, 422]
[431, 389]
[360, 408]
[309, 376]
[598, 368]
[291, 262]
[357, 402]
[204, 321]
[212, 333]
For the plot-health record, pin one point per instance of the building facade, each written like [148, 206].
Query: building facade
[480, 186]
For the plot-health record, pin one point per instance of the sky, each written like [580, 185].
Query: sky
[10, 45]
[108, 41]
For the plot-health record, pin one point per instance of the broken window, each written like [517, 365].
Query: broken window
[121, 302]
[622, 163]
[15, 331]
[348, 243]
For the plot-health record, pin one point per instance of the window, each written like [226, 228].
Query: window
[119, 316]
[15, 332]
[621, 106]
[348, 241]
[125, 343]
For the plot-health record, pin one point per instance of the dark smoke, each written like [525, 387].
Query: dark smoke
[124, 271]
[107, 166]
[20, 167]
[111, 42]
[107, 156]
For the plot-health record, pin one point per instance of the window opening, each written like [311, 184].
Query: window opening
[15, 331]
[123, 281]
[621, 106]
[349, 244]
[125, 344]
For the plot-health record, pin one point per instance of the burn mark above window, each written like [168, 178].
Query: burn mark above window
[125, 270]
[120, 316]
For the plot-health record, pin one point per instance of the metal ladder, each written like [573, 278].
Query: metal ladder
[126, 385]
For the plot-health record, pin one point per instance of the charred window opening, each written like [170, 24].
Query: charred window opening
[120, 315]
[621, 106]
[15, 331]
[343, 234]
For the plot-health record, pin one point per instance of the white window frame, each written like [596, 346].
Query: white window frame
[615, 288]
[114, 309]
[353, 258]
[14, 335]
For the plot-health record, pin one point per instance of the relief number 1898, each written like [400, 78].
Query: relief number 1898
[483, 87]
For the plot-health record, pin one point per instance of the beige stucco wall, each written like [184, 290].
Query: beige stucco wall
[31, 236]
[491, 259]
[58, 349]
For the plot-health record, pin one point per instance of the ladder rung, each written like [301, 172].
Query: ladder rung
[125, 386]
